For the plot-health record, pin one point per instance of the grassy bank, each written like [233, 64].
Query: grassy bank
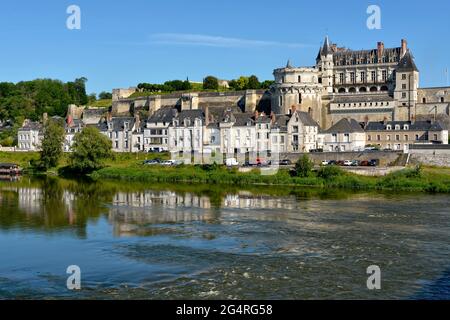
[427, 180]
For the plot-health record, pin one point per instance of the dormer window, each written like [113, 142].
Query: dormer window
[388, 127]
[397, 127]
[406, 127]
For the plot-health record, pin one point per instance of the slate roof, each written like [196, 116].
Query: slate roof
[118, 124]
[32, 126]
[165, 114]
[407, 63]
[415, 126]
[345, 126]
[306, 119]
[281, 122]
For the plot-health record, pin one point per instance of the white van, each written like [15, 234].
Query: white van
[231, 162]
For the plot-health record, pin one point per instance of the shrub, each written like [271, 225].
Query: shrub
[303, 167]
[329, 172]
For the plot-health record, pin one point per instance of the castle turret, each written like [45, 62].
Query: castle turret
[406, 86]
[326, 65]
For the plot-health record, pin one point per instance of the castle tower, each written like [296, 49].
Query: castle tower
[406, 86]
[325, 65]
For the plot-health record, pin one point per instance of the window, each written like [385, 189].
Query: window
[388, 127]
[374, 76]
[424, 100]
[406, 137]
[442, 99]
[404, 76]
[281, 101]
[341, 78]
[397, 137]
[417, 137]
[406, 127]
[397, 127]
[352, 77]
[363, 77]
[299, 78]
[334, 137]
[369, 137]
[388, 137]
[346, 137]
[403, 95]
[378, 137]
[384, 75]
[404, 86]
[300, 98]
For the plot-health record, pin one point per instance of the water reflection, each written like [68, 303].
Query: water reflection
[201, 242]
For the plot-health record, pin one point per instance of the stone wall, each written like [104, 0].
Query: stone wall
[248, 101]
[434, 157]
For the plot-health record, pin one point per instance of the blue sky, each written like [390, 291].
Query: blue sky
[122, 43]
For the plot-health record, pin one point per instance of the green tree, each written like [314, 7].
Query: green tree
[105, 95]
[253, 83]
[266, 84]
[303, 167]
[90, 149]
[52, 145]
[210, 83]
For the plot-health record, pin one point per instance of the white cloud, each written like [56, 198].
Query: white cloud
[215, 41]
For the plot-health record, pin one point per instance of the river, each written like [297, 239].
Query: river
[150, 241]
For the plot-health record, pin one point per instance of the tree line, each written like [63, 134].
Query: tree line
[31, 99]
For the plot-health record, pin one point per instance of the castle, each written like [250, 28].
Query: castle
[366, 85]
[380, 84]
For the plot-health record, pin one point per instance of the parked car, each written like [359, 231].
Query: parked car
[169, 163]
[332, 163]
[285, 162]
[374, 162]
[348, 163]
[152, 162]
[364, 163]
[316, 150]
[355, 163]
[340, 163]
[231, 162]
[325, 163]
[388, 149]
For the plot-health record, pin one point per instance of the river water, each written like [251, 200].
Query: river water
[138, 241]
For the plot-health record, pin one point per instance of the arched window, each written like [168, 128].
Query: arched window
[342, 90]
[424, 100]
[373, 89]
[363, 89]
[352, 90]
[384, 88]
[310, 111]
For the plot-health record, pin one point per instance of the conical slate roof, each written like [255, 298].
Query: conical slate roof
[407, 63]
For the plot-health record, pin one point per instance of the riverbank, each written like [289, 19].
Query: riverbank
[435, 180]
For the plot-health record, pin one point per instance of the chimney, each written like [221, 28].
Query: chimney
[207, 119]
[69, 120]
[273, 117]
[293, 109]
[404, 47]
[380, 47]
[137, 120]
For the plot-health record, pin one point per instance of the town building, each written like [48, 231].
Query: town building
[29, 136]
[345, 136]
[399, 135]
[156, 131]
[186, 132]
